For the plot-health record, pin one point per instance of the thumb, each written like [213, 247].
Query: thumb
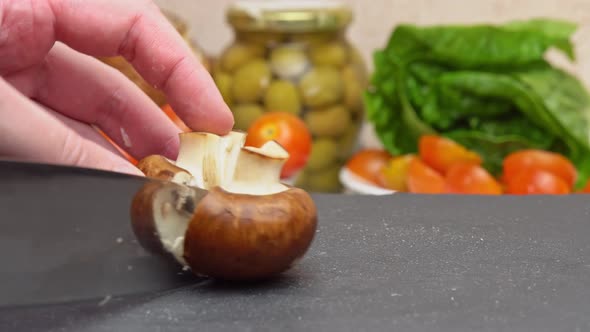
[35, 133]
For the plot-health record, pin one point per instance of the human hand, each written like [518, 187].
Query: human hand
[52, 89]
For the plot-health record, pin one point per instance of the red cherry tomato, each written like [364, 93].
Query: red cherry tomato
[289, 131]
[465, 178]
[368, 164]
[422, 179]
[536, 181]
[441, 153]
[524, 160]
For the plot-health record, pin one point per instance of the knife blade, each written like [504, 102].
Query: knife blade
[66, 236]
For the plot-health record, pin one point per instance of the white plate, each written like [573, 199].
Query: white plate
[354, 184]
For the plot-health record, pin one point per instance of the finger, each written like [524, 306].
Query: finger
[89, 91]
[136, 30]
[35, 133]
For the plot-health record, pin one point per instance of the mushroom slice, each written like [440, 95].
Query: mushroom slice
[161, 213]
[195, 154]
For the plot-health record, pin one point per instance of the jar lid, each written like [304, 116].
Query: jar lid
[288, 16]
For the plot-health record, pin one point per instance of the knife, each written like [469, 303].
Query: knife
[66, 236]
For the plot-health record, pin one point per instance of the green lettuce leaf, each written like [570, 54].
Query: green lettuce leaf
[479, 46]
[488, 87]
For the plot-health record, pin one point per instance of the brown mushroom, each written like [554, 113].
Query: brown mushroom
[223, 211]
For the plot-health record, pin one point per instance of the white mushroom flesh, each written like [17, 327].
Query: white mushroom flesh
[193, 156]
[171, 220]
[213, 161]
[224, 161]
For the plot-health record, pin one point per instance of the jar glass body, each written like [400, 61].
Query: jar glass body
[317, 75]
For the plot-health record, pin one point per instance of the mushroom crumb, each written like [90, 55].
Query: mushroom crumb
[105, 300]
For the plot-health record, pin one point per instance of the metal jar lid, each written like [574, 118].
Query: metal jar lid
[288, 15]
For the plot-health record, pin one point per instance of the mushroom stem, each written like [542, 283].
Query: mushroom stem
[224, 161]
[192, 155]
[209, 157]
[258, 170]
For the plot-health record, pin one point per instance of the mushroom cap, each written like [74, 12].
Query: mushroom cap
[143, 225]
[160, 167]
[237, 236]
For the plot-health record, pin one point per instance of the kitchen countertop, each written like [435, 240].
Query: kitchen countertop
[379, 263]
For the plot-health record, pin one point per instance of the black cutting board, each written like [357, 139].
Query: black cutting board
[379, 263]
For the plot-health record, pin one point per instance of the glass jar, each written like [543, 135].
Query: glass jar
[293, 56]
[127, 69]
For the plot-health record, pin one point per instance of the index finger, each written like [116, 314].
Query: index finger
[138, 31]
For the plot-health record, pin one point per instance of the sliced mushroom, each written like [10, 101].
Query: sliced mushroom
[241, 223]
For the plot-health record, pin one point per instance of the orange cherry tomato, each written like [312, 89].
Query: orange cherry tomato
[423, 179]
[441, 153]
[172, 116]
[394, 175]
[465, 178]
[536, 181]
[289, 131]
[368, 164]
[520, 161]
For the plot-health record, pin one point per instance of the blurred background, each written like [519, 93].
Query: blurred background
[322, 74]
[374, 20]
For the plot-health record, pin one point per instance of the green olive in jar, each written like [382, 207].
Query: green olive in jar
[356, 59]
[300, 180]
[238, 54]
[323, 153]
[353, 89]
[245, 115]
[223, 81]
[282, 96]
[250, 81]
[321, 86]
[324, 180]
[347, 142]
[328, 122]
[288, 62]
[329, 54]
